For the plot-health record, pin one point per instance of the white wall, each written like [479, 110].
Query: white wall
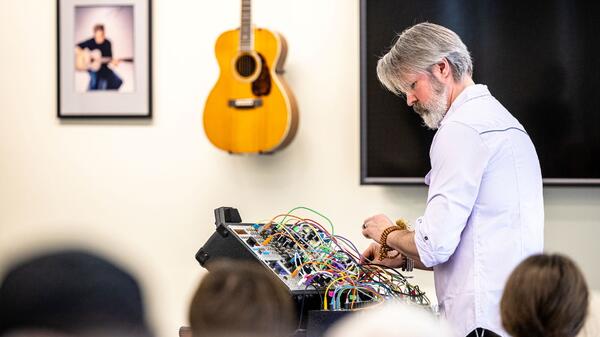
[143, 192]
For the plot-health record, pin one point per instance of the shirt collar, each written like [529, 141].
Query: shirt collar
[469, 93]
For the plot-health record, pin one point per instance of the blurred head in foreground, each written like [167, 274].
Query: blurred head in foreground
[241, 299]
[545, 296]
[70, 293]
[392, 319]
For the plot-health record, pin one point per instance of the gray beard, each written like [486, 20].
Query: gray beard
[434, 111]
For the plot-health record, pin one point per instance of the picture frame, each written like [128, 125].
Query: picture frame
[104, 59]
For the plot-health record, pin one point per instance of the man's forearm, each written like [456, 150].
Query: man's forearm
[404, 242]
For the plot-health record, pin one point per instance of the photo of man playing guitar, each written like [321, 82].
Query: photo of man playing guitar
[94, 55]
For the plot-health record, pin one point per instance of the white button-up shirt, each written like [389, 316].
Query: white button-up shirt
[485, 211]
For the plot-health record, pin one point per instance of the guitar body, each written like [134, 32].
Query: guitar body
[92, 60]
[89, 60]
[250, 109]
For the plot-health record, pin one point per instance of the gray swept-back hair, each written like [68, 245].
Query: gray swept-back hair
[417, 49]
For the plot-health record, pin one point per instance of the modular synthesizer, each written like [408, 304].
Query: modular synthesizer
[321, 270]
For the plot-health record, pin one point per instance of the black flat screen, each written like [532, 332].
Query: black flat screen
[540, 59]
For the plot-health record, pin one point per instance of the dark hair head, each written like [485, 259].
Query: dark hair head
[98, 27]
[71, 292]
[545, 296]
[241, 299]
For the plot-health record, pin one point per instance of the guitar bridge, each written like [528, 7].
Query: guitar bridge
[245, 103]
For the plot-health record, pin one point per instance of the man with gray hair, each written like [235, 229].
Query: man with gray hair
[484, 211]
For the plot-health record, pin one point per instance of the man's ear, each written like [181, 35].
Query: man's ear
[444, 68]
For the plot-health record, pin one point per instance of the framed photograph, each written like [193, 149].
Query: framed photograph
[104, 58]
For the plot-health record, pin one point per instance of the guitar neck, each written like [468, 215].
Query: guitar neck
[108, 59]
[246, 34]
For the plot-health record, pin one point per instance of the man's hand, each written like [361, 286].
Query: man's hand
[115, 62]
[371, 255]
[403, 240]
[375, 225]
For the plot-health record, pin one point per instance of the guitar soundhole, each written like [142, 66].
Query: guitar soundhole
[245, 65]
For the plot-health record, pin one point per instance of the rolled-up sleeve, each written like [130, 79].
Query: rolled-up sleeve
[458, 161]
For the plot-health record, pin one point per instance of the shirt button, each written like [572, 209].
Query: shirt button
[426, 238]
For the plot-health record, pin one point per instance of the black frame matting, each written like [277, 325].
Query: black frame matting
[100, 115]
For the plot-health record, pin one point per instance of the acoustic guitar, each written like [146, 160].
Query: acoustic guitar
[250, 109]
[93, 60]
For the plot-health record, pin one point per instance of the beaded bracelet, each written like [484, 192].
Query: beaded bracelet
[385, 249]
[408, 263]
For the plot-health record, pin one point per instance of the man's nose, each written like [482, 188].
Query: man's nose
[410, 99]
